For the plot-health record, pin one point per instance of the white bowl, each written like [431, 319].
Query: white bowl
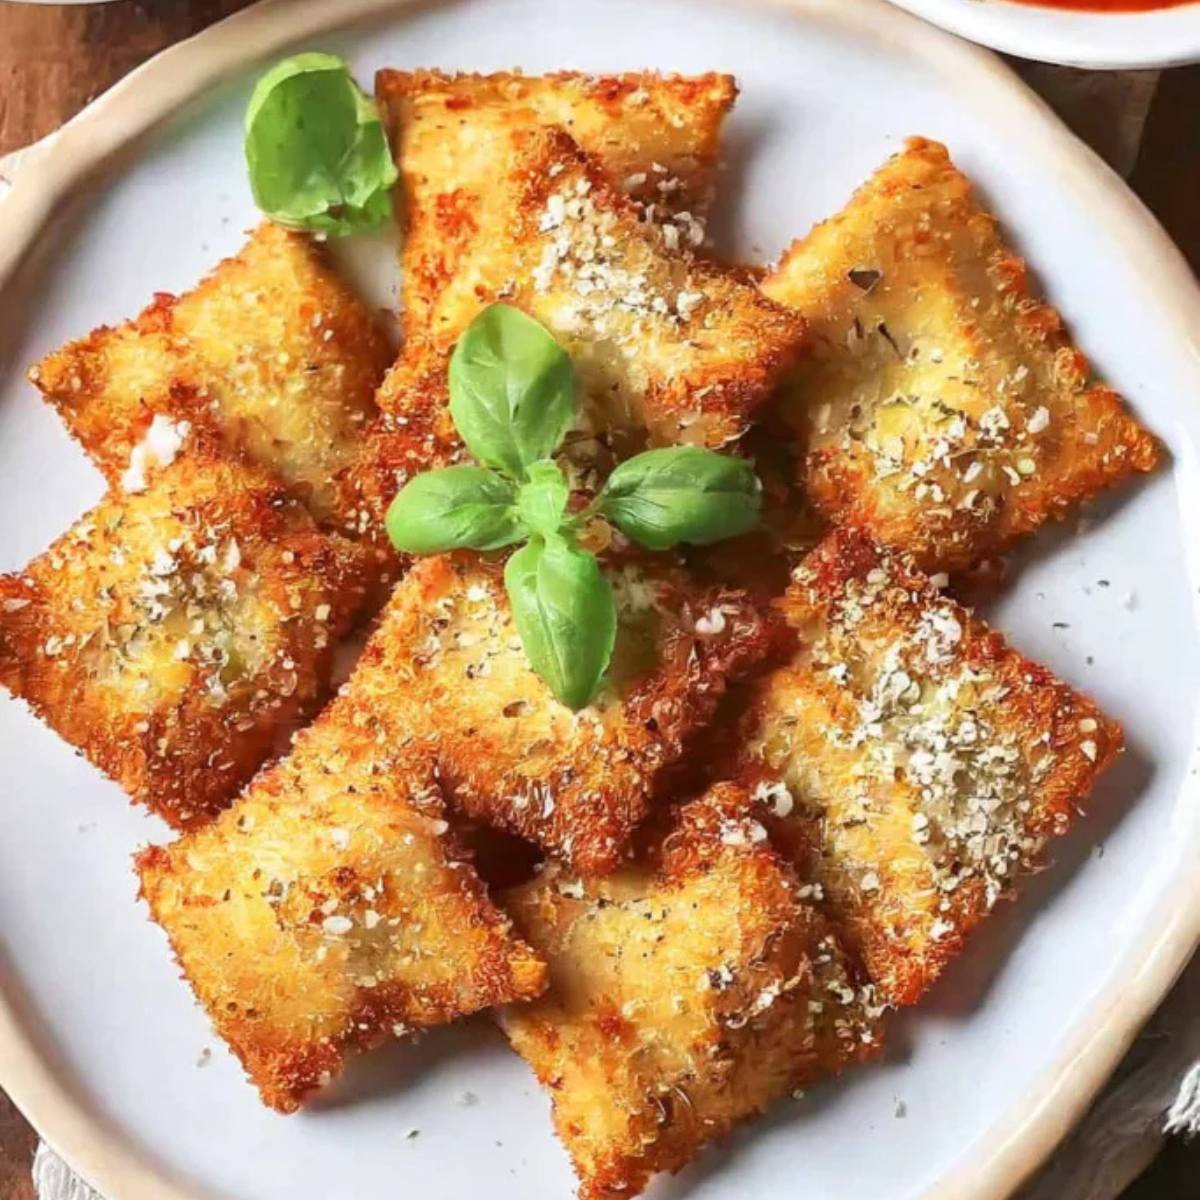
[1160, 38]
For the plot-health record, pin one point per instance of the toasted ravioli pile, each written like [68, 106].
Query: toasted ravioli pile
[943, 406]
[916, 764]
[177, 634]
[451, 670]
[875, 768]
[329, 909]
[685, 995]
[271, 352]
[668, 347]
[655, 138]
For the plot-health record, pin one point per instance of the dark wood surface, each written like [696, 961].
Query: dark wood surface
[54, 59]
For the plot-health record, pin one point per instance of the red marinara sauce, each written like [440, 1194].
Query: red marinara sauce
[1108, 5]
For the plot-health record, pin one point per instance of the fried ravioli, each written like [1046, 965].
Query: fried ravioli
[655, 138]
[668, 348]
[271, 352]
[683, 998]
[330, 910]
[924, 763]
[449, 666]
[943, 406]
[173, 634]
[417, 436]
[662, 341]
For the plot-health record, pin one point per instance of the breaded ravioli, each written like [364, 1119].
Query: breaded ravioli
[942, 406]
[271, 351]
[662, 340]
[668, 348]
[417, 435]
[175, 634]
[655, 137]
[330, 909]
[919, 763]
[683, 998]
[448, 665]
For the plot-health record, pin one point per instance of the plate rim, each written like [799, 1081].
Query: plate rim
[1171, 36]
[1016, 1144]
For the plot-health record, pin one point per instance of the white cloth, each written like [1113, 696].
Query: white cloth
[54, 1180]
[1156, 1090]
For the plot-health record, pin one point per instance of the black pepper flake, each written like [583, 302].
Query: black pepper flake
[886, 334]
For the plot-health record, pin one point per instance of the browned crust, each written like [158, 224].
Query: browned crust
[683, 997]
[413, 434]
[83, 640]
[330, 910]
[706, 368]
[855, 826]
[945, 320]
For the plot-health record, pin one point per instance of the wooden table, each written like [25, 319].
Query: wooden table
[54, 59]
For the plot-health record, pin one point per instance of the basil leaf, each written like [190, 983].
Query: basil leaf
[455, 508]
[316, 148]
[542, 501]
[512, 390]
[682, 494]
[565, 614]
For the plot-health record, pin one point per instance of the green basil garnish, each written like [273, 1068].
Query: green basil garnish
[512, 390]
[454, 509]
[679, 494]
[316, 148]
[565, 614]
[542, 500]
[512, 399]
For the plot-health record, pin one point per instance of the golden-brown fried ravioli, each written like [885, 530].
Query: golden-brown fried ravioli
[924, 764]
[668, 348]
[447, 663]
[174, 634]
[655, 137]
[330, 909]
[684, 996]
[943, 406]
[272, 352]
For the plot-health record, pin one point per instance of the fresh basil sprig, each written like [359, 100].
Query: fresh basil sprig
[512, 399]
[512, 390]
[316, 148]
[682, 494]
[458, 508]
[565, 614]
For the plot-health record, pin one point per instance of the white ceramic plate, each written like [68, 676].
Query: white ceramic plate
[100, 1042]
[1158, 38]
